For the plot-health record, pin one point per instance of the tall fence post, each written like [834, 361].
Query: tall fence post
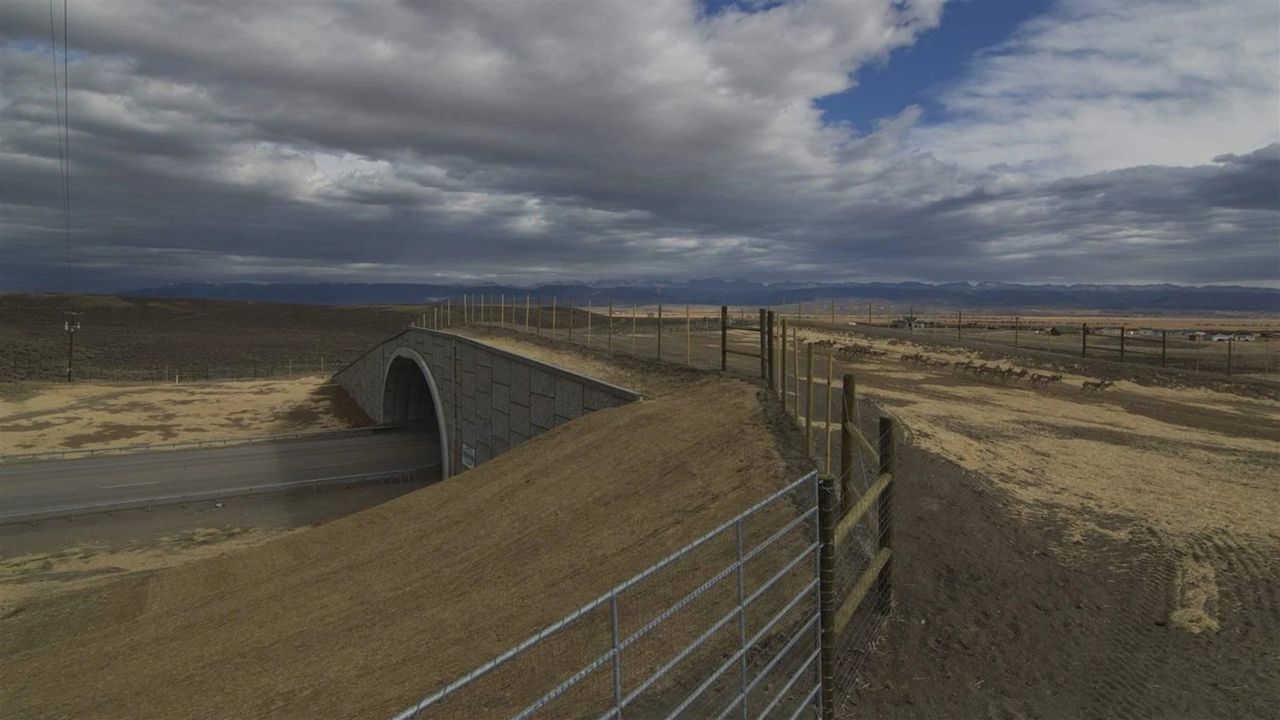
[1015, 333]
[659, 331]
[527, 307]
[610, 347]
[833, 311]
[1084, 339]
[724, 338]
[783, 385]
[959, 322]
[848, 413]
[1230, 343]
[1164, 347]
[570, 319]
[827, 516]
[827, 426]
[808, 400]
[538, 317]
[553, 316]
[764, 368]
[884, 583]
[1122, 334]
[795, 365]
[772, 356]
[588, 323]
[688, 337]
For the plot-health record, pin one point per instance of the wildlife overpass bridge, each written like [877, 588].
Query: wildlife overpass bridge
[477, 401]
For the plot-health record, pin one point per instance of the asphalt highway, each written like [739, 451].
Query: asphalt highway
[52, 484]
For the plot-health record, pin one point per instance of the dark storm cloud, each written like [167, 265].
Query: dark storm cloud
[534, 141]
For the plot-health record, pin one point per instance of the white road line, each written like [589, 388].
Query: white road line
[137, 484]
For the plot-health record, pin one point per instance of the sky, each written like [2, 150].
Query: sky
[1045, 141]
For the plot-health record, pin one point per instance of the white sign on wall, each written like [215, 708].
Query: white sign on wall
[468, 456]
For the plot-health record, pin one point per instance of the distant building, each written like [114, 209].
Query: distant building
[1221, 338]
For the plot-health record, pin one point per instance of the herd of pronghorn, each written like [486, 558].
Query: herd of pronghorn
[983, 370]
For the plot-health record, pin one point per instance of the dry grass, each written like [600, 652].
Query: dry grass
[1180, 459]
[401, 593]
[36, 418]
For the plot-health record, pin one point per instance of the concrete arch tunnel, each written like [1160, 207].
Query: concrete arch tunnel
[410, 395]
[475, 400]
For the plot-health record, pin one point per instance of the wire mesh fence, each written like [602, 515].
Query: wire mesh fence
[726, 626]
[1243, 354]
[812, 386]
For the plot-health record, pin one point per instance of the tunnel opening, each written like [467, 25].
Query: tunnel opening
[409, 396]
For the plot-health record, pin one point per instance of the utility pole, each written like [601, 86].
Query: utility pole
[71, 325]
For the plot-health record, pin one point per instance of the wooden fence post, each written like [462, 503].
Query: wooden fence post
[1084, 339]
[610, 326]
[502, 309]
[1230, 342]
[884, 583]
[659, 331]
[827, 517]
[527, 308]
[1122, 333]
[553, 316]
[783, 385]
[772, 355]
[1015, 333]
[688, 337]
[588, 323]
[1164, 346]
[764, 347]
[808, 400]
[633, 329]
[539, 318]
[795, 365]
[570, 319]
[959, 322]
[448, 316]
[833, 311]
[830, 367]
[724, 338]
[848, 415]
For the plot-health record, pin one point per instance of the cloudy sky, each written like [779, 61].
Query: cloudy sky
[989, 140]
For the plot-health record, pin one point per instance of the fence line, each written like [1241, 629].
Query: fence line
[620, 699]
[849, 595]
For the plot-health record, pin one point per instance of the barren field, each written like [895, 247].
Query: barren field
[41, 417]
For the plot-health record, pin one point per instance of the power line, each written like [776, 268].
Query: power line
[57, 109]
[66, 128]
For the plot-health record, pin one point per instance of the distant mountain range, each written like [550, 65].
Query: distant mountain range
[715, 291]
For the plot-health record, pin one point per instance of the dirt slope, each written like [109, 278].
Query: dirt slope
[359, 617]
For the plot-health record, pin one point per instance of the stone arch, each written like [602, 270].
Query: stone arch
[410, 393]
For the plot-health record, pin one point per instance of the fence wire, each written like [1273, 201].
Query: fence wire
[724, 627]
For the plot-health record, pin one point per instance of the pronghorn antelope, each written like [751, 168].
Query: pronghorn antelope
[1095, 385]
[1038, 379]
